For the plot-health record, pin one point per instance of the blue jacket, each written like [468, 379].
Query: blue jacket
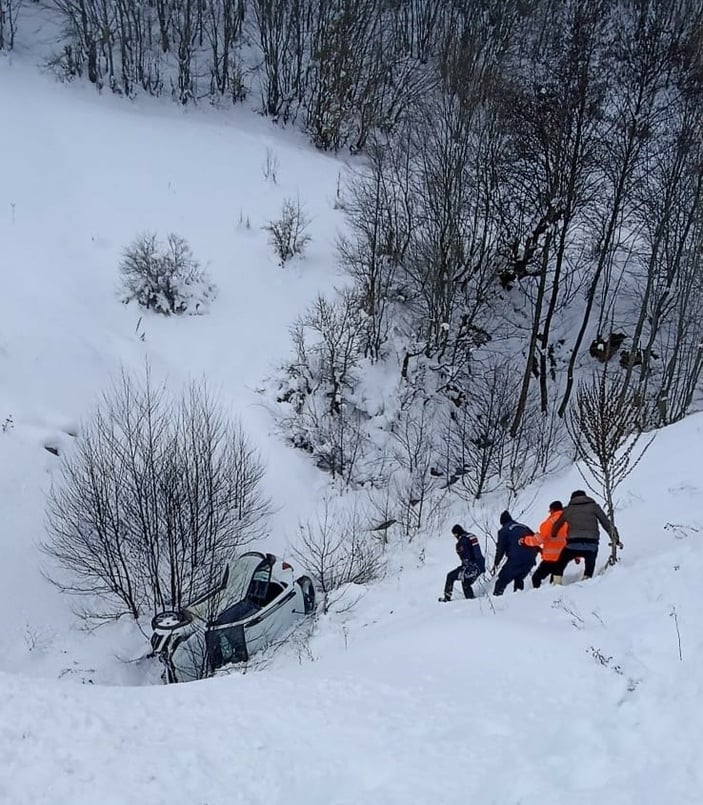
[470, 551]
[508, 545]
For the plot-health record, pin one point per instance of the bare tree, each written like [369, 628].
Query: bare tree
[648, 40]
[224, 20]
[551, 109]
[185, 29]
[9, 11]
[476, 430]
[413, 452]
[157, 497]
[280, 29]
[605, 431]
[336, 441]
[319, 384]
[328, 342]
[535, 451]
[379, 209]
[448, 262]
[337, 549]
[664, 271]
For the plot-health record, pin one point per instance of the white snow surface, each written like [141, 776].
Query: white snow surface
[588, 693]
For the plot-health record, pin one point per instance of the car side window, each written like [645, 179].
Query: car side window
[225, 646]
[258, 588]
[273, 592]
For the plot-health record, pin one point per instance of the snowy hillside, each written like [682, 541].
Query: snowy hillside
[583, 694]
[77, 187]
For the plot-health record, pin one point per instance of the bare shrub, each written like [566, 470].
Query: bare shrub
[412, 483]
[271, 166]
[287, 234]
[167, 279]
[476, 431]
[536, 449]
[336, 441]
[337, 548]
[157, 497]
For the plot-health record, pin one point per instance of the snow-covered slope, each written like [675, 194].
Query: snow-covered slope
[76, 188]
[583, 694]
[576, 694]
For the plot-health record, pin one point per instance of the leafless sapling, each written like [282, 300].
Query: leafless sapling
[604, 428]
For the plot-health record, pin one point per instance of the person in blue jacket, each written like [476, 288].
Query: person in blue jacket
[520, 558]
[471, 567]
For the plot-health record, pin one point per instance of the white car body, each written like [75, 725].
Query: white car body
[257, 601]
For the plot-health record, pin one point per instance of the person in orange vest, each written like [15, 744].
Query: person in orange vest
[549, 546]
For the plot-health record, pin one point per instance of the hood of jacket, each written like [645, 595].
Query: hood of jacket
[505, 518]
[579, 499]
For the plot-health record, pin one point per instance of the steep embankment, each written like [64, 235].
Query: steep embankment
[588, 693]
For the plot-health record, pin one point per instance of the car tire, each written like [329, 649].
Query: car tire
[170, 620]
[307, 588]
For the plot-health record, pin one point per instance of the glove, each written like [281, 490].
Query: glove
[615, 540]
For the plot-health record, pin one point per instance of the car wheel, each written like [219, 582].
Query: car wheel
[170, 621]
[307, 588]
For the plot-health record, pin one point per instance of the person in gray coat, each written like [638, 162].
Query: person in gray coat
[583, 516]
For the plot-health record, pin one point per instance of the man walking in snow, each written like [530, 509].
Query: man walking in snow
[471, 567]
[520, 557]
[582, 517]
[550, 546]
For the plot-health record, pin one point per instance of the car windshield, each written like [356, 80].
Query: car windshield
[235, 584]
[246, 591]
[241, 573]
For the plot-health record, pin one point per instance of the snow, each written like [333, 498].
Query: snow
[584, 693]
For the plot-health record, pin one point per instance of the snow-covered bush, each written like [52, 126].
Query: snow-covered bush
[287, 234]
[319, 385]
[165, 278]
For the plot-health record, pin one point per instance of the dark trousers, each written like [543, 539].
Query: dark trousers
[510, 572]
[468, 577]
[568, 554]
[543, 570]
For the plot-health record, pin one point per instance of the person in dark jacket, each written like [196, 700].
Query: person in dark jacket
[582, 516]
[520, 557]
[471, 567]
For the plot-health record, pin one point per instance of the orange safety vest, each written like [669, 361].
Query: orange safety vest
[551, 546]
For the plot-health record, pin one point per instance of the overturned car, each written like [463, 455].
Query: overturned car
[256, 602]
